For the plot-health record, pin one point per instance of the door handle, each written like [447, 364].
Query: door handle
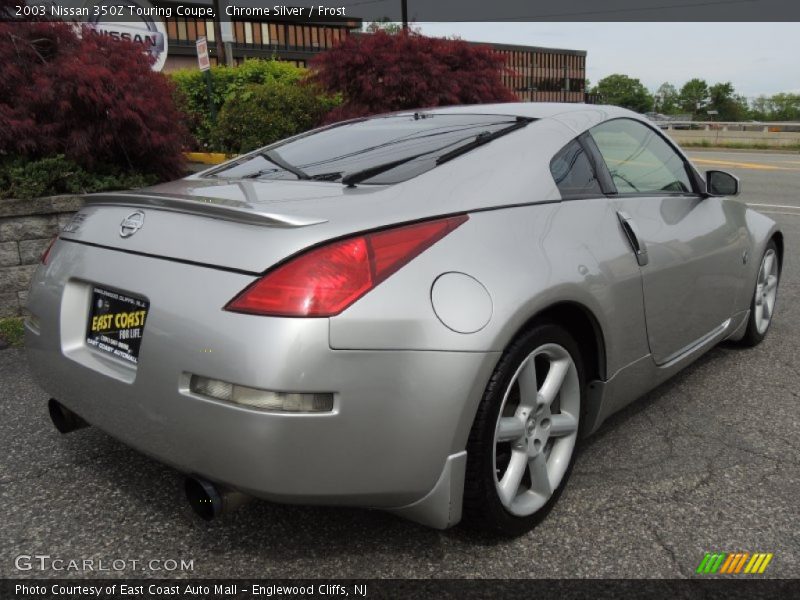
[634, 239]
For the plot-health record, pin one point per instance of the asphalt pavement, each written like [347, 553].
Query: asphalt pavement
[709, 461]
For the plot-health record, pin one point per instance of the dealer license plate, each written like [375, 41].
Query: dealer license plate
[116, 324]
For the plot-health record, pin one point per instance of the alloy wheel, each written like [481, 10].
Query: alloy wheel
[536, 429]
[766, 291]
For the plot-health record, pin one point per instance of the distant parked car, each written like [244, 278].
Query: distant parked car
[419, 312]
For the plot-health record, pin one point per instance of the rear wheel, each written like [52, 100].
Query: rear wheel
[522, 444]
[762, 305]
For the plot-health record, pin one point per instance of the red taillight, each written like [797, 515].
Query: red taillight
[46, 253]
[324, 281]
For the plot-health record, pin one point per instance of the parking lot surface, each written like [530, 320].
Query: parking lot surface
[709, 461]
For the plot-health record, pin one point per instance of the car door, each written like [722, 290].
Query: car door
[688, 246]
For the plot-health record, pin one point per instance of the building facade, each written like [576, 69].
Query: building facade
[293, 40]
[545, 74]
[535, 74]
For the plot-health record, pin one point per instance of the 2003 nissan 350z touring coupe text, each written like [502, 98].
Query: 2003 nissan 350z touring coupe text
[421, 312]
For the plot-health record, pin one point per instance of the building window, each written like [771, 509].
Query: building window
[181, 29]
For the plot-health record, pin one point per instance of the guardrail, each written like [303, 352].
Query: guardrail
[755, 126]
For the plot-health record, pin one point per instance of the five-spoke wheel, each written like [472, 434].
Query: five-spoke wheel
[536, 429]
[522, 444]
[766, 290]
[762, 306]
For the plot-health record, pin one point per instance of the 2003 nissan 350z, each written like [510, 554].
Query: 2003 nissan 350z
[420, 312]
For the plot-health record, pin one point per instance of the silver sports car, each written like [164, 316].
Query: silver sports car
[421, 312]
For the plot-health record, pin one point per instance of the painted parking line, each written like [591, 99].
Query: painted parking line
[776, 209]
[743, 165]
[777, 212]
[793, 206]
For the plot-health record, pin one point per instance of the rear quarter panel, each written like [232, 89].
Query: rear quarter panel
[528, 258]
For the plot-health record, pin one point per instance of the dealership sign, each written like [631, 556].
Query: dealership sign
[142, 25]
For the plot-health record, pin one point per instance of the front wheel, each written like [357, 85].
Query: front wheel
[522, 444]
[762, 305]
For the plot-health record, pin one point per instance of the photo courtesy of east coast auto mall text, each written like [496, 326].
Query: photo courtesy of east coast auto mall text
[399, 299]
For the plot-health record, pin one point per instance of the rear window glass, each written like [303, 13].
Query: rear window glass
[334, 152]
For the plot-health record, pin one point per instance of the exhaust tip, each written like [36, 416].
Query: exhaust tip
[204, 498]
[63, 418]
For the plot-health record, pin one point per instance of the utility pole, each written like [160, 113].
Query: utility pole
[404, 9]
[218, 33]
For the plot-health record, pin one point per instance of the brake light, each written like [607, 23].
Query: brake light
[46, 253]
[323, 281]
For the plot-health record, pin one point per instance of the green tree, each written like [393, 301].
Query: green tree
[390, 27]
[263, 113]
[760, 108]
[785, 107]
[191, 91]
[729, 105]
[624, 91]
[667, 99]
[693, 97]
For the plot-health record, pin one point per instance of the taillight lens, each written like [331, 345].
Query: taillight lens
[324, 281]
[46, 253]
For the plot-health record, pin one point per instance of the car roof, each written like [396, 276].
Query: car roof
[578, 117]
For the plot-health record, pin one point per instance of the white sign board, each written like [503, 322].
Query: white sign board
[202, 54]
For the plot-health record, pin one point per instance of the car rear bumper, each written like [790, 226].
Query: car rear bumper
[397, 416]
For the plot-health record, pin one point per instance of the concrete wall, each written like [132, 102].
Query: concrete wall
[26, 228]
[722, 137]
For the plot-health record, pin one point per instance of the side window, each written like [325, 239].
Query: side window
[574, 173]
[639, 160]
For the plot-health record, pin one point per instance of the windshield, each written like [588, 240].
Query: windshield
[414, 141]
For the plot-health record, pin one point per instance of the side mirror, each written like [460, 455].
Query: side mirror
[720, 183]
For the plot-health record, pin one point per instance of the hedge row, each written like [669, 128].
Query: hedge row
[257, 103]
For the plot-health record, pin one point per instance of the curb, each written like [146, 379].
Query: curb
[208, 158]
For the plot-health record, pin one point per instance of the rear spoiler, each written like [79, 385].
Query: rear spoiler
[220, 208]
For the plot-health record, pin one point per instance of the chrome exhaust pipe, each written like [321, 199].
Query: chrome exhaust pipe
[63, 418]
[210, 500]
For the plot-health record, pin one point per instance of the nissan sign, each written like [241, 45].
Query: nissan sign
[142, 26]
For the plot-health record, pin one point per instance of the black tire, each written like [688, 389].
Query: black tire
[752, 337]
[482, 506]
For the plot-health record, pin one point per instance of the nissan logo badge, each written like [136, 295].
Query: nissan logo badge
[131, 224]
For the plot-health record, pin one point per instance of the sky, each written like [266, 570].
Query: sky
[758, 58]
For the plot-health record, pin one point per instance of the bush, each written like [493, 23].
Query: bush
[191, 93]
[22, 178]
[12, 332]
[261, 114]
[382, 72]
[91, 98]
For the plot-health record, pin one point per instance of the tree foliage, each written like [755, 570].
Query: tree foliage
[628, 92]
[666, 99]
[779, 107]
[694, 97]
[382, 72]
[260, 114]
[730, 106]
[91, 98]
[191, 93]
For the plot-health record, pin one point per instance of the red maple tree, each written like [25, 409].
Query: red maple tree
[89, 97]
[383, 72]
